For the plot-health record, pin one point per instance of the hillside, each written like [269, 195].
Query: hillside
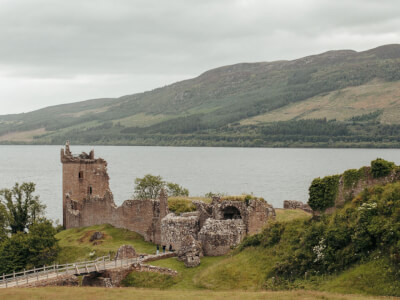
[352, 249]
[354, 94]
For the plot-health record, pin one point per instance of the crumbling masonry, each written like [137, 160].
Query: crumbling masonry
[87, 201]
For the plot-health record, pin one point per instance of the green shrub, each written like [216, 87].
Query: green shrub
[244, 198]
[381, 167]
[251, 241]
[370, 224]
[322, 192]
[351, 177]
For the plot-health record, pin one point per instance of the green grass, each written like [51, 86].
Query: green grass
[241, 198]
[285, 215]
[75, 244]
[371, 278]
[244, 270]
[87, 293]
[148, 280]
[187, 278]
[184, 204]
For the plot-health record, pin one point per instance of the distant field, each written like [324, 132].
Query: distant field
[87, 293]
[342, 105]
[22, 136]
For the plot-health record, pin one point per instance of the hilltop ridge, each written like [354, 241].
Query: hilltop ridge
[236, 105]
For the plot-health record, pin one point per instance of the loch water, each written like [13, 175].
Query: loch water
[276, 174]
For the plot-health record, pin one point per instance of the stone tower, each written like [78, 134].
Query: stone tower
[83, 177]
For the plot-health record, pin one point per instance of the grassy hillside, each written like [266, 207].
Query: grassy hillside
[342, 105]
[75, 243]
[354, 249]
[236, 106]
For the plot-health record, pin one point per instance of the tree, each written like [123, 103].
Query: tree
[3, 222]
[26, 250]
[20, 207]
[149, 187]
[381, 167]
[175, 190]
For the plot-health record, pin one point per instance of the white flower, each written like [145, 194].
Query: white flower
[318, 250]
[368, 206]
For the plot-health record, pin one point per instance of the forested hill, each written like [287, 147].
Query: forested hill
[337, 98]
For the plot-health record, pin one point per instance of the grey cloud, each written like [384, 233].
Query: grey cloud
[150, 43]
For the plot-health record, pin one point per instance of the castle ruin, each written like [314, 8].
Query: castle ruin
[88, 201]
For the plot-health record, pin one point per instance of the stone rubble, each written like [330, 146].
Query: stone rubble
[190, 251]
[126, 251]
[294, 204]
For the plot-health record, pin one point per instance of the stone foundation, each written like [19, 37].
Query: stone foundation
[219, 236]
[174, 228]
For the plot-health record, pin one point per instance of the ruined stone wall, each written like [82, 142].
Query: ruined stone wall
[218, 226]
[294, 204]
[175, 228]
[258, 214]
[218, 236]
[88, 201]
[254, 213]
[83, 175]
[347, 193]
[141, 216]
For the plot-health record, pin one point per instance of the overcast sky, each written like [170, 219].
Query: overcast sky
[54, 52]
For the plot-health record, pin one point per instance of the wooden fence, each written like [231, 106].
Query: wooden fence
[16, 279]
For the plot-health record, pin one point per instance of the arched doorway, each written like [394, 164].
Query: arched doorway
[231, 212]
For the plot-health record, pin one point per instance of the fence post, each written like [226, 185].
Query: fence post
[16, 277]
[26, 276]
[57, 271]
[36, 273]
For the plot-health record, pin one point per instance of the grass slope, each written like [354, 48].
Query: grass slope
[75, 244]
[247, 270]
[342, 105]
[285, 215]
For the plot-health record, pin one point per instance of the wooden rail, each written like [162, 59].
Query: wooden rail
[16, 279]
